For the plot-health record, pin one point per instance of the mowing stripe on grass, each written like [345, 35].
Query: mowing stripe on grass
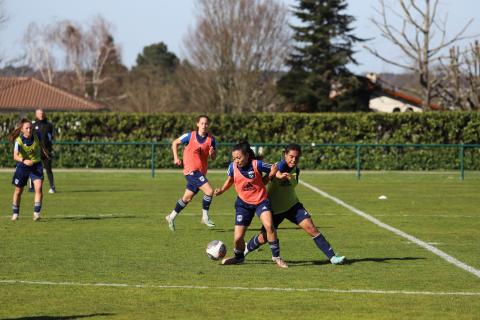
[148, 286]
[398, 232]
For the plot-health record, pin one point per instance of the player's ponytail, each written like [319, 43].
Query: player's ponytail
[16, 132]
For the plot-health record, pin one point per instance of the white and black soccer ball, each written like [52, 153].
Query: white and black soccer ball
[216, 249]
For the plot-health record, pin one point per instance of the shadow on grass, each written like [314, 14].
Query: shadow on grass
[80, 218]
[298, 263]
[61, 317]
[258, 229]
[97, 190]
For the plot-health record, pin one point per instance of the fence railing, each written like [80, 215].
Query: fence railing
[326, 156]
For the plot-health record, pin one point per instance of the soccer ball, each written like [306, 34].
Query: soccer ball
[216, 249]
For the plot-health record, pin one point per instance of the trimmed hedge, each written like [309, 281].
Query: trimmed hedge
[274, 128]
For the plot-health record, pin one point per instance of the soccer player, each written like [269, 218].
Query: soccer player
[245, 172]
[44, 129]
[27, 152]
[286, 205]
[200, 145]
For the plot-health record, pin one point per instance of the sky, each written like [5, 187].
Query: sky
[143, 22]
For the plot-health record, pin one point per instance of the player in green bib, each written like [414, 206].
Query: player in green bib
[286, 205]
[27, 152]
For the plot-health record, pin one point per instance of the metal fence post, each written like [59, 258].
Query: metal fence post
[357, 151]
[154, 149]
[462, 162]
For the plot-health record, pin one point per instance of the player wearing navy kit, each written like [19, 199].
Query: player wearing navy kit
[199, 146]
[27, 152]
[245, 172]
[286, 205]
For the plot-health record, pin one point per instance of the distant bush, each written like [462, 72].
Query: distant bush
[273, 128]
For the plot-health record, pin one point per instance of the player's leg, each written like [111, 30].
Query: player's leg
[19, 180]
[243, 217]
[179, 206]
[206, 202]
[238, 246]
[273, 242]
[17, 197]
[37, 183]
[304, 220]
[47, 164]
[260, 239]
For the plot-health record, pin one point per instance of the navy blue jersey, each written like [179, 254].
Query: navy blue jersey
[185, 139]
[247, 171]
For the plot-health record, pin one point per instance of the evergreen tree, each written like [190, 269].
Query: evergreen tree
[157, 57]
[324, 47]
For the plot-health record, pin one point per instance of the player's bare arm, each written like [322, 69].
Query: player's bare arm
[228, 183]
[176, 160]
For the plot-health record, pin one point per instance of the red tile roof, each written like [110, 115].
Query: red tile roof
[408, 98]
[24, 93]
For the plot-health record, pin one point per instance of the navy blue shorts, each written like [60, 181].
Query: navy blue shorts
[23, 172]
[244, 212]
[295, 214]
[195, 180]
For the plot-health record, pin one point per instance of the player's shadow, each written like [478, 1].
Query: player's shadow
[98, 190]
[298, 263]
[81, 218]
[382, 260]
[61, 317]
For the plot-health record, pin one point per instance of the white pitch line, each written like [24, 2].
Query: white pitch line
[398, 232]
[326, 290]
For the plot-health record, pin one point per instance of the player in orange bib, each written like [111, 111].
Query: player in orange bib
[200, 145]
[245, 172]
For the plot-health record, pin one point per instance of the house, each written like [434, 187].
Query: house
[386, 98]
[23, 94]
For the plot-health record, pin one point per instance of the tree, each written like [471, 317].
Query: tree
[459, 78]
[151, 85]
[87, 52]
[418, 23]
[39, 41]
[234, 53]
[324, 47]
[157, 57]
[3, 18]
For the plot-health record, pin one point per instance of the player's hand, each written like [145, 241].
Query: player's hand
[177, 162]
[217, 192]
[273, 170]
[211, 151]
[285, 176]
[28, 163]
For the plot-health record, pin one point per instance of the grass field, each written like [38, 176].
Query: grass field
[103, 251]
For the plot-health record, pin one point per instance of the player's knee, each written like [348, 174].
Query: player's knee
[187, 199]
[209, 193]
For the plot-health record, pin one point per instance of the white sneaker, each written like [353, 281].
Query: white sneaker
[337, 259]
[171, 222]
[209, 223]
[14, 217]
[280, 263]
[36, 216]
[52, 190]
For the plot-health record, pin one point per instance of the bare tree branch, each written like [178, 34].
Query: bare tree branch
[236, 48]
[423, 51]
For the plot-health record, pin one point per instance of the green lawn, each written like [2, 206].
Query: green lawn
[109, 228]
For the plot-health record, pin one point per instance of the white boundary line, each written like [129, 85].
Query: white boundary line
[146, 286]
[398, 232]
